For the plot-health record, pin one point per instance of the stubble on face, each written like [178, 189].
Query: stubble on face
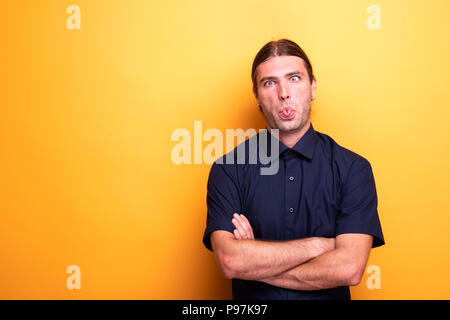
[283, 92]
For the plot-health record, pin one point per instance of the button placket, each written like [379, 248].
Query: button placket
[291, 194]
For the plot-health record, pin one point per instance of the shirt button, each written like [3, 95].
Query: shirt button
[291, 178]
[291, 210]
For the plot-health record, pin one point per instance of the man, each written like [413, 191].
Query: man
[306, 231]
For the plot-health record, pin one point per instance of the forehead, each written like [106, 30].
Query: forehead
[279, 66]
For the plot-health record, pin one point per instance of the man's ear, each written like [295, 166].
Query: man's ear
[313, 87]
[256, 97]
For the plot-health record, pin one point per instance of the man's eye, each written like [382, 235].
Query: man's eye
[268, 83]
[295, 78]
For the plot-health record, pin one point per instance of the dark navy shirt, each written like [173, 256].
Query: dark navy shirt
[320, 190]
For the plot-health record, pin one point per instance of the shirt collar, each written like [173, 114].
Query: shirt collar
[305, 146]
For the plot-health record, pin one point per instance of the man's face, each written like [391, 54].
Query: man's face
[284, 93]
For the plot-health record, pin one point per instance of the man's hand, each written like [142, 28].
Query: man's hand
[242, 256]
[343, 266]
[243, 229]
[335, 268]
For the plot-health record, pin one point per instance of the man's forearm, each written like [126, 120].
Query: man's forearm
[330, 270]
[342, 264]
[256, 259]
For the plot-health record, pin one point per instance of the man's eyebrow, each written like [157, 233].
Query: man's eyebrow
[286, 75]
[294, 73]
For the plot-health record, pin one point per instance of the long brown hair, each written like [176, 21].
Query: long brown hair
[282, 47]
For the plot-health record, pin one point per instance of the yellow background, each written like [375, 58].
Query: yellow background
[86, 117]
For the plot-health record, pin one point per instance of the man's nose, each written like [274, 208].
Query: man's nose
[283, 92]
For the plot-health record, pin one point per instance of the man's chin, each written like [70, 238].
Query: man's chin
[287, 127]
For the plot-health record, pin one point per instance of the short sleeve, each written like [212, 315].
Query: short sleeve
[222, 200]
[358, 211]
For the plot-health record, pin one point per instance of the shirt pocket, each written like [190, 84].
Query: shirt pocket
[322, 216]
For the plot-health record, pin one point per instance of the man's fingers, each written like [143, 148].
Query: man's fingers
[246, 225]
[240, 228]
[243, 225]
[244, 228]
[249, 226]
[237, 235]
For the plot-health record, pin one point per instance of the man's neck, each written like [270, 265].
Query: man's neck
[289, 139]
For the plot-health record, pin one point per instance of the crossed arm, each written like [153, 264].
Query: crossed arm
[302, 264]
